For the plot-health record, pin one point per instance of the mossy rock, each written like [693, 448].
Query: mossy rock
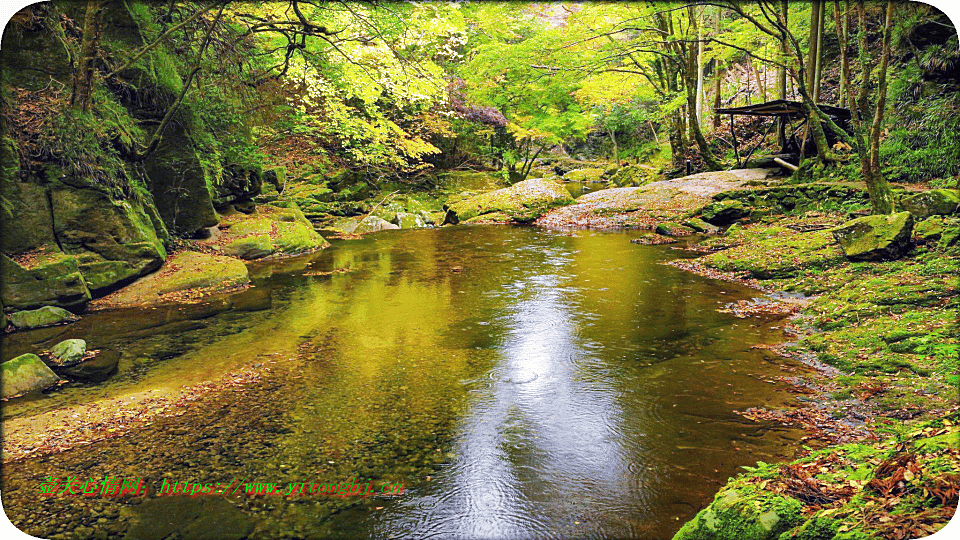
[931, 203]
[701, 226]
[68, 352]
[724, 212]
[632, 176]
[115, 242]
[673, 229]
[25, 374]
[181, 183]
[40, 318]
[250, 247]
[295, 237]
[25, 220]
[406, 220]
[780, 256]
[522, 202]
[49, 279]
[275, 176]
[584, 175]
[183, 271]
[875, 237]
[751, 515]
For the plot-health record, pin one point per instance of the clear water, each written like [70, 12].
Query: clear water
[519, 383]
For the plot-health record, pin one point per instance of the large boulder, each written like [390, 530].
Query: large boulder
[114, 241]
[238, 184]
[724, 212]
[267, 231]
[25, 222]
[633, 176]
[41, 279]
[181, 182]
[875, 237]
[185, 271]
[522, 202]
[362, 225]
[25, 373]
[931, 203]
[39, 318]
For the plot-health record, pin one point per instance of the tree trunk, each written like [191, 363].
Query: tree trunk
[784, 53]
[83, 74]
[716, 83]
[813, 40]
[818, 61]
[880, 195]
[690, 82]
[841, 19]
[700, 97]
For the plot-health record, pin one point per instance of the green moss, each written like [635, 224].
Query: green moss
[523, 202]
[781, 256]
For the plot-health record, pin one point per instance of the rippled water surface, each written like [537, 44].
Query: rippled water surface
[518, 382]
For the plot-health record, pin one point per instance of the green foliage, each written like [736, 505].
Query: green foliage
[923, 144]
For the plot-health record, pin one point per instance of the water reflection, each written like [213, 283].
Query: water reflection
[520, 383]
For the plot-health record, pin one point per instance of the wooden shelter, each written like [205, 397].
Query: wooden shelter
[789, 117]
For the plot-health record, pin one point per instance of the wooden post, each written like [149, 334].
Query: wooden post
[733, 134]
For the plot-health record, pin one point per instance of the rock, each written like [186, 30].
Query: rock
[68, 352]
[933, 202]
[653, 240]
[180, 181]
[114, 241]
[250, 247]
[238, 185]
[39, 318]
[673, 229]
[25, 373]
[27, 223]
[632, 176]
[723, 212]
[44, 278]
[406, 220]
[584, 175]
[875, 237]
[183, 271]
[361, 225]
[522, 202]
[95, 369]
[268, 230]
[701, 226]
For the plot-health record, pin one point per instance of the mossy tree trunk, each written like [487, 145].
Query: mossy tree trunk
[83, 71]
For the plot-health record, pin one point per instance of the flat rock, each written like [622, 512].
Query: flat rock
[522, 202]
[931, 203]
[183, 271]
[39, 318]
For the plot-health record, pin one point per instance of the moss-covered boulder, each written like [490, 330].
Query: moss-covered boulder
[40, 318]
[875, 237]
[724, 212]
[584, 175]
[184, 271]
[522, 202]
[181, 182]
[362, 225]
[24, 374]
[237, 184]
[41, 279]
[929, 230]
[632, 176]
[114, 241]
[743, 516]
[25, 222]
[406, 220]
[783, 255]
[931, 203]
[701, 226]
[68, 352]
[267, 231]
[671, 228]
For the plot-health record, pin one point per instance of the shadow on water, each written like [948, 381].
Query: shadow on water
[518, 382]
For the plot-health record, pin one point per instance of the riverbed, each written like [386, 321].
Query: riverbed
[517, 382]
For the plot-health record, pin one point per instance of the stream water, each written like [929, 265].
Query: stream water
[518, 382]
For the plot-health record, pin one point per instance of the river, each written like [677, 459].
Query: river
[518, 382]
